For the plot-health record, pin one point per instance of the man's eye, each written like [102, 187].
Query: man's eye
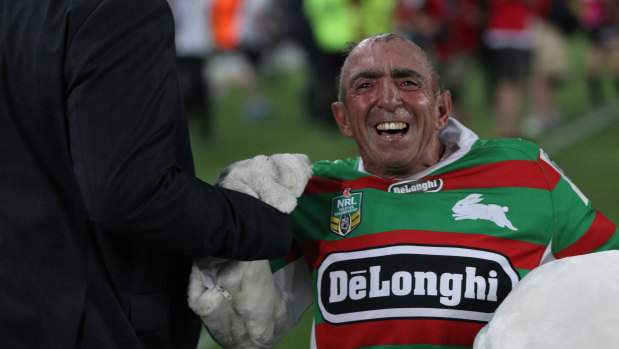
[410, 83]
[364, 85]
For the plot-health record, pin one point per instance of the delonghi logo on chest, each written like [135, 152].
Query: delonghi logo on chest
[407, 187]
[413, 281]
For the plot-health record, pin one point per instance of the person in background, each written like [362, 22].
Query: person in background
[555, 22]
[420, 22]
[333, 24]
[243, 30]
[101, 215]
[194, 46]
[417, 240]
[600, 20]
[457, 47]
[507, 39]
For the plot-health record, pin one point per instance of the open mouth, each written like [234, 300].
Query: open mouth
[392, 128]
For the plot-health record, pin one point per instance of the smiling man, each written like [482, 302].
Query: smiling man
[391, 103]
[418, 239]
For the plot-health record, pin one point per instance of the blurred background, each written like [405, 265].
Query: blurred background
[258, 77]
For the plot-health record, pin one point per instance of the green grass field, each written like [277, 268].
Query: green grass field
[591, 162]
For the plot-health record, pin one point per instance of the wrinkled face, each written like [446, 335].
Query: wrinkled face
[391, 107]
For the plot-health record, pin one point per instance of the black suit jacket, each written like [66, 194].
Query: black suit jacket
[100, 213]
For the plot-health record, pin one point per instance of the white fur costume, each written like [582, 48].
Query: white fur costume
[570, 303]
[239, 301]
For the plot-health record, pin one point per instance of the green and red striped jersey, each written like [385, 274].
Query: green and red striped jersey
[424, 262]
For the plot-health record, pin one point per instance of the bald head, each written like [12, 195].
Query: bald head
[419, 54]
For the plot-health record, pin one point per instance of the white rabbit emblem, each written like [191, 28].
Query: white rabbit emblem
[468, 208]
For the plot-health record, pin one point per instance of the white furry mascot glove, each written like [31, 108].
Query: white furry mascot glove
[569, 303]
[238, 301]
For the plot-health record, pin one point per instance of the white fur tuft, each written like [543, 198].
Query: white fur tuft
[278, 179]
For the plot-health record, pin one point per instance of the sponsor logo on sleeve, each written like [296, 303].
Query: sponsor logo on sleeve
[413, 281]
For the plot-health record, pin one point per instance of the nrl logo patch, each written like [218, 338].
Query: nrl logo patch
[345, 212]
[406, 187]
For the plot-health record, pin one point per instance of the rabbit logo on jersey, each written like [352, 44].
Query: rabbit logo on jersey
[413, 281]
[345, 212]
[470, 208]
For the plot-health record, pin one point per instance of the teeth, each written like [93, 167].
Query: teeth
[387, 126]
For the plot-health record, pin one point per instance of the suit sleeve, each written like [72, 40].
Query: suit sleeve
[130, 145]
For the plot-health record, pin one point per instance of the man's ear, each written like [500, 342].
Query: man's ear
[443, 109]
[340, 116]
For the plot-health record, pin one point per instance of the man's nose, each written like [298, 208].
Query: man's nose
[389, 96]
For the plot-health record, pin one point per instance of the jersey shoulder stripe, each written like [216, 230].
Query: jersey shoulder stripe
[510, 173]
[431, 332]
[598, 233]
[338, 168]
[525, 255]
[493, 151]
[489, 164]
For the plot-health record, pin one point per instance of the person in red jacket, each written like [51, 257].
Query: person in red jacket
[508, 42]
